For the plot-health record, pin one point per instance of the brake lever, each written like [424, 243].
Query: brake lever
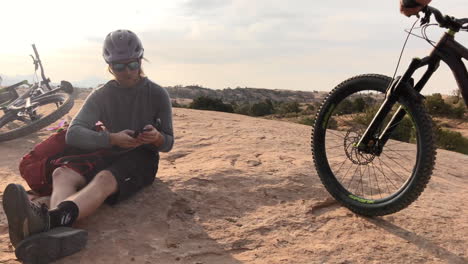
[427, 16]
[36, 64]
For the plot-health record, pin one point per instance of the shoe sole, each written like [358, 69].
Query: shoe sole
[45, 247]
[14, 197]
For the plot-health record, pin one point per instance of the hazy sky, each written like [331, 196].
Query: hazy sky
[297, 44]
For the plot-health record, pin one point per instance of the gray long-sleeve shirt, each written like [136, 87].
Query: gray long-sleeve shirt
[120, 108]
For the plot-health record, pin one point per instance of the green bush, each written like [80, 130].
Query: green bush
[307, 121]
[208, 103]
[243, 109]
[458, 111]
[359, 105]
[309, 110]
[261, 109]
[347, 106]
[451, 140]
[288, 107]
[405, 131]
[437, 106]
[175, 104]
[332, 124]
[291, 115]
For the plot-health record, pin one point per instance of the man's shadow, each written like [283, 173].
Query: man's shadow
[154, 226]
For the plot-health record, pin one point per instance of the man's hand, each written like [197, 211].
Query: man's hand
[151, 136]
[124, 139]
[409, 11]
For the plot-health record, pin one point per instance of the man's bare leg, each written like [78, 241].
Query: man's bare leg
[66, 182]
[94, 194]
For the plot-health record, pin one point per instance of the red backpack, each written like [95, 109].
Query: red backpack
[37, 166]
[34, 166]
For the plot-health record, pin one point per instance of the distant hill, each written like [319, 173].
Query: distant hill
[238, 95]
[244, 95]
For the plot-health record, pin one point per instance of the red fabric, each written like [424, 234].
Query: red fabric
[37, 166]
[33, 166]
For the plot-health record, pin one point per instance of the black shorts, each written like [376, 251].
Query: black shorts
[132, 170]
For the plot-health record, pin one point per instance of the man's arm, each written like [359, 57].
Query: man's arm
[163, 140]
[80, 134]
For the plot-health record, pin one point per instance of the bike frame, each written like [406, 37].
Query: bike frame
[447, 50]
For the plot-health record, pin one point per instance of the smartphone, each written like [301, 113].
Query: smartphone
[138, 132]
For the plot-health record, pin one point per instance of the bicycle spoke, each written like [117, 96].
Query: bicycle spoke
[334, 133]
[341, 165]
[390, 170]
[400, 149]
[346, 173]
[400, 153]
[396, 163]
[331, 158]
[337, 146]
[386, 180]
[370, 181]
[362, 184]
[376, 181]
[353, 175]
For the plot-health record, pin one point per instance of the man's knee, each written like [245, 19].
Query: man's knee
[106, 181]
[66, 176]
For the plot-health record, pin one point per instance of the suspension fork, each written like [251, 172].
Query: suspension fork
[370, 142]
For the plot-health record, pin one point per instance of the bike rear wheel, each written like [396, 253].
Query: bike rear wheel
[371, 184]
[45, 111]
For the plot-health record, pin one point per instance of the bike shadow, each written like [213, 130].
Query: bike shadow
[420, 241]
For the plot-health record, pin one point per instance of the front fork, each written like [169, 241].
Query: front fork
[370, 141]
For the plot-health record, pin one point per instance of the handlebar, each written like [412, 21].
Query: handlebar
[37, 61]
[449, 22]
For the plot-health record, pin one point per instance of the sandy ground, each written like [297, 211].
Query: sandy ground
[237, 189]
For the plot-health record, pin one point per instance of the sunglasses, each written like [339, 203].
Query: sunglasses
[120, 67]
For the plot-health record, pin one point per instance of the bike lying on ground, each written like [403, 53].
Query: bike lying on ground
[40, 105]
[373, 143]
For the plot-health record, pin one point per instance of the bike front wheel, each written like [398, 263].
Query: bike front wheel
[43, 112]
[371, 184]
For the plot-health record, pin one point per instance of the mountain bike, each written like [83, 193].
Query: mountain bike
[39, 105]
[373, 142]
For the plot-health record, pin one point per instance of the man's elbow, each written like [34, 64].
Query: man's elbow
[170, 143]
[70, 138]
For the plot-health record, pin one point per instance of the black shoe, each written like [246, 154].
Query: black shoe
[24, 217]
[49, 246]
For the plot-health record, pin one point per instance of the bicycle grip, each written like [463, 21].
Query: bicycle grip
[411, 4]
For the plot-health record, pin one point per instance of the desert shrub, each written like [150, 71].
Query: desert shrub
[309, 110]
[345, 107]
[308, 120]
[261, 109]
[288, 107]
[332, 123]
[437, 106]
[242, 109]
[358, 105]
[208, 103]
[451, 140]
[291, 115]
[458, 111]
